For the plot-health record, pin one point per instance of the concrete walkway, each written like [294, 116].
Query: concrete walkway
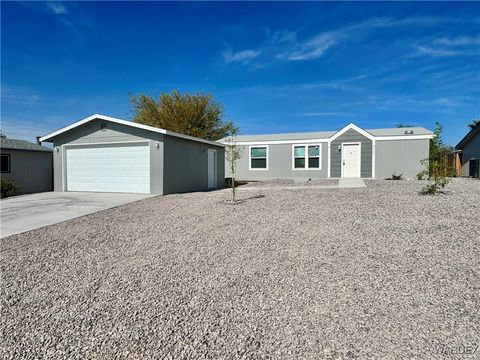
[28, 212]
[351, 183]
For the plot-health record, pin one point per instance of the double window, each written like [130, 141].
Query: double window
[5, 163]
[258, 158]
[306, 157]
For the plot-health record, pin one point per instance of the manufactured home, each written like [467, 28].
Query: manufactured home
[105, 154]
[350, 152]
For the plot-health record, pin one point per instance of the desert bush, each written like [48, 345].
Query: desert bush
[395, 177]
[8, 188]
[438, 169]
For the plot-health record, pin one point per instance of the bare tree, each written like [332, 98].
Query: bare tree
[233, 153]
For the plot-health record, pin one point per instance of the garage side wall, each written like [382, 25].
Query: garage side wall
[102, 132]
[366, 153]
[186, 165]
[400, 157]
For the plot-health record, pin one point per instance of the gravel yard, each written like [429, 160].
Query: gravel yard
[288, 182]
[377, 272]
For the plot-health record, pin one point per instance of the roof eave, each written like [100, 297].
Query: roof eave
[49, 137]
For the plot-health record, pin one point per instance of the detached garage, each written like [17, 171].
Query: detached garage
[106, 154]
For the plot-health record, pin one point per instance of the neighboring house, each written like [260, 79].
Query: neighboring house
[27, 165]
[349, 152]
[469, 150]
[106, 154]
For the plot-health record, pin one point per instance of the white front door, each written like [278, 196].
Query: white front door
[108, 168]
[212, 169]
[351, 160]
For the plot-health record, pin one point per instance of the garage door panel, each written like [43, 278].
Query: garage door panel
[122, 168]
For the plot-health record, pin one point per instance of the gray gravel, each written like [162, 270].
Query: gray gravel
[289, 182]
[378, 272]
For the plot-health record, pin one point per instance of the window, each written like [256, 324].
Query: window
[258, 158]
[5, 163]
[306, 157]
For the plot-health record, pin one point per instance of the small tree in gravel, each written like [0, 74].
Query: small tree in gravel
[233, 153]
[438, 169]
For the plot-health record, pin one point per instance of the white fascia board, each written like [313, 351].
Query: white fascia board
[278, 142]
[351, 126]
[193, 138]
[404, 137]
[101, 117]
[127, 123]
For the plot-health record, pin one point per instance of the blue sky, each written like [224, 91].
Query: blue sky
[276, 67]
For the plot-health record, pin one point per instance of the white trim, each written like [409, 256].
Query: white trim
[328, 158]
[107, 143]
[280, 142]
[333, 137]
[250, 157]
[404, 137]
[64, 169]
[351, 126]
[360, 154]
[306, 157]
[127, 123]
[373, 158]
[215, 170]
[66, 146]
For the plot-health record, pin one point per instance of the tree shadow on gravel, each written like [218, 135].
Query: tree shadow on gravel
[242, 200]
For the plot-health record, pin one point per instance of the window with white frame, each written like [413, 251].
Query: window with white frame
[258, 157]
[306, 157]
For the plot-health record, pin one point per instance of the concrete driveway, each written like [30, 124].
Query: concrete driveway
[28, 212]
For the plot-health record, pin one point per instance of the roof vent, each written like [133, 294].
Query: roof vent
[408, 132]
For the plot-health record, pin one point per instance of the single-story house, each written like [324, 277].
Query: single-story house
[349, 152]
[468, 150]
[27, 165]
[105, 154]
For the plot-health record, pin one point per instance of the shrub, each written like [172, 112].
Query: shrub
[438, 169]
[8, 188]
[395, 177]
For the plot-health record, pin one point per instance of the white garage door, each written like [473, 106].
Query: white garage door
[119, 168]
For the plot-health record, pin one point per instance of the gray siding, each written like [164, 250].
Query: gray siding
[470, 151]
[366, 155]
[186, 165]
[400, 157]
[91, 132]
[279, 165]
[32, 171]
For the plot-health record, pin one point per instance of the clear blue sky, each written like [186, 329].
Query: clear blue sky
[276, 67]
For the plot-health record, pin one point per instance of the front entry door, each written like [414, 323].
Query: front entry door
[351, 160]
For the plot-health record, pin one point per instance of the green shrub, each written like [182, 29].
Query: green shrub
[438, 168]
[8, 188]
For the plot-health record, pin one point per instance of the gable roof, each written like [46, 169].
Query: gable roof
[127, 123]
[467, 138]
[17, 144]
[377, 134]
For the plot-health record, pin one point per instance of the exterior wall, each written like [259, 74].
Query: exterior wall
[32, 171]
[186, 165]
[470, 151]
[336, 154]
[400, 157]
[280, 164]
[91, 133]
